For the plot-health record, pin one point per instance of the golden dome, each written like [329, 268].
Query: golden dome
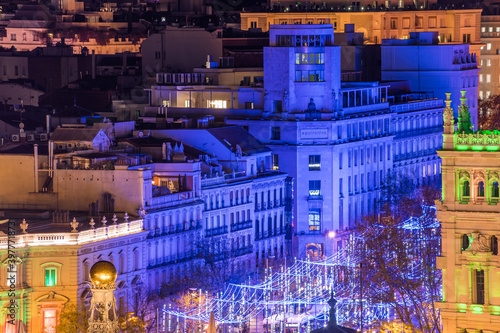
[103, 273]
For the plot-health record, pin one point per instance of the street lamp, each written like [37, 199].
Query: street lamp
[331, 235]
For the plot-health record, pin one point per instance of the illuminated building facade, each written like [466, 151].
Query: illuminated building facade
[453, 26]
[469, 217]
[52, 265]
[489, 78]
[453, 67]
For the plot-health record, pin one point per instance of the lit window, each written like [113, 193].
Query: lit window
[488, 78]
[488, 94]
[50, 277]
[489, 62]
[483, 29]
[490, 29]
[314, 188]
[187, 103]
[314, 162]
[481, 78]
[498, 29]
[217, 104]
[49, 320]
[488, 46]
[276, 162]
[314, 219]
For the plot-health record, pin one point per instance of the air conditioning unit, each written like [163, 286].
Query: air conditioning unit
[44, 137]
[15, 137]
[31, 137]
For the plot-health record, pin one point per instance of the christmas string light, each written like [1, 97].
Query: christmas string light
[298, 294]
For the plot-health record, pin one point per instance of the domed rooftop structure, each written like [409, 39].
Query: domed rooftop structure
[103, 273]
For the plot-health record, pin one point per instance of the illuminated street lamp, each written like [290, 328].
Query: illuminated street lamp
[331, 235]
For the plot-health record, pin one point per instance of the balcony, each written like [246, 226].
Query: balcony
[216, 231]
[269, 233]
[242, 251]
[175, 229]
[241, 226]
[172, 259]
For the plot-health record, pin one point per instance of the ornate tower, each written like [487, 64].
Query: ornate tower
[103, 304]
[470, 217]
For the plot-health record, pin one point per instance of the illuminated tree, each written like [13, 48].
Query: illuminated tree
[489, 113]
[73, 319]
[398, 256]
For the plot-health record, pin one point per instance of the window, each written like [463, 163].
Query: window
[309, 76]
[494, 245]
[314, 188]
[253, 24]
[340, 160]
[16, 70]
[275, 133]
[314, 219]
[394, 23]
[483, 29]
[277, 106]
[275, 162]
[309, 58]
[495, 191]
[13, 37]
[480, 77]
[432, 22]
[466, 189]
[314, 162]
[49, 320]
[35, 37]
[187, 103]
[465, 242]
[466, 38]
[341, 191]
[479, 299]
[24, 37]
[217, 104]
[419, 22]
[480, 190]
[488, 62]
[50, 277]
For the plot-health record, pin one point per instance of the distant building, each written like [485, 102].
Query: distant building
[430, 66]
[489, 78]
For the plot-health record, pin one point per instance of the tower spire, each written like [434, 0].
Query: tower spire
[464, 122]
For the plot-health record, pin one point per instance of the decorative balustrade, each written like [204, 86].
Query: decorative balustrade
[241, 225]
[216, 231]
[172, 259]
[269, 233]
[484, 140]
[74, 238]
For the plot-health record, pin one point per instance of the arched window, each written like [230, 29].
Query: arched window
[480, 189]
[494, 245]
[466, 189]
[465, 242]
[494, 191]
[86, 270]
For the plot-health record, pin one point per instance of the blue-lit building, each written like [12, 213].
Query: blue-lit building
[337, 140]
